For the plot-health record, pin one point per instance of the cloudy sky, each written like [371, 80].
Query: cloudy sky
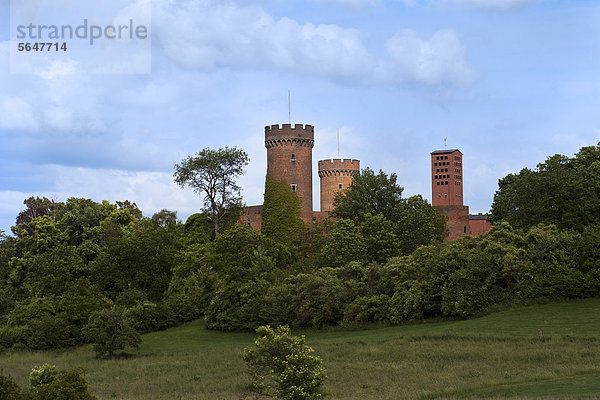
[508, 82]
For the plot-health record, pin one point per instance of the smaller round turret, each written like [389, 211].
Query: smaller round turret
[336, 176]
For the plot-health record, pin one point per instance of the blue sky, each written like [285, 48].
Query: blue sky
[508, 82]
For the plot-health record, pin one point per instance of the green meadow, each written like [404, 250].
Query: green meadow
[496, 356]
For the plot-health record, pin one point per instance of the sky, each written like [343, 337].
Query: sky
[508, 82]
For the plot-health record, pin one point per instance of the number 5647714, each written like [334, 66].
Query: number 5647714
[42, 46]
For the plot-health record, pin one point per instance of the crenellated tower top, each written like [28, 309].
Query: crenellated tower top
[338, 167]
[288, 135]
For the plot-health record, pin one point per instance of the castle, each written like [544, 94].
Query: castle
[289, 158]
[447, 195]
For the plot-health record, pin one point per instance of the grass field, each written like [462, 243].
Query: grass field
[497, 356]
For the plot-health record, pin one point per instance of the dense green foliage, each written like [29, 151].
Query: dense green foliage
[562, 191]
[70, 260]
[110, 331]
[281, 213]
[390, 223]
[382, 261]
[9, 389]
[283, 366]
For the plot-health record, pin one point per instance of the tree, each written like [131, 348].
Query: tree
[212, 173]
[561, 191]
[282, 365]
[343, 244]
[370, 194]
[110, 331]
[390, 224]
[165, 218]
[37, 207]
[281, 212]
[420, 225]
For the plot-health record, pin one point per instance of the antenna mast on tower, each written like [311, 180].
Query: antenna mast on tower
[338, 140]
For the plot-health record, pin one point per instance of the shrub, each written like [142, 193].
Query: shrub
[283, 366]
[9, 390]
[42, 375]
[59, 385]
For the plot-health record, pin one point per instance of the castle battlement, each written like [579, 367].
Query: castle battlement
[289, 131]
[338, 167]
[338, 163]
[288, 135]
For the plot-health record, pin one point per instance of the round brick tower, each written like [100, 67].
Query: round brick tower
[289, 157]
[336, 176]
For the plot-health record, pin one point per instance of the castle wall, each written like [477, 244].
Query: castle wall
[479, 224]
[289, 158]
[457, 220]
[252, 217]
[336, 176]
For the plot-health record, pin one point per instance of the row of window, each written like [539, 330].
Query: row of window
[442, 183]
[435, 164]
[441, 157]
[445, 176]
[441, 170]
[457, 164]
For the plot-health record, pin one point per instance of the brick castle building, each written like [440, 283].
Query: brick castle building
[289, 158]
[447, 195]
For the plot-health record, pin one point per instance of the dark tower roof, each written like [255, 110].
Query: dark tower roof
[447, 151]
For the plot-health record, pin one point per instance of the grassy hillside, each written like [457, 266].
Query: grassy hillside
[499, 355]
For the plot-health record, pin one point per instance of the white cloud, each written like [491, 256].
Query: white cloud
[151, 191]
[500, 5]
[352, 4]
[439, 60]
[206, 35]
[16, 114]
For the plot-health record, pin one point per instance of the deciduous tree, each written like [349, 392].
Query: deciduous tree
[212, 174]
[110, 331]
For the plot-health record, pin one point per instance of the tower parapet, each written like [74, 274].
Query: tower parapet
[289, 158]
[338, 167]
[288, 135]
[336, 176]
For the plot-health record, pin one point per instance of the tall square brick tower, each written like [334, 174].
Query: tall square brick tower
[446, 178]
[447, 191]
